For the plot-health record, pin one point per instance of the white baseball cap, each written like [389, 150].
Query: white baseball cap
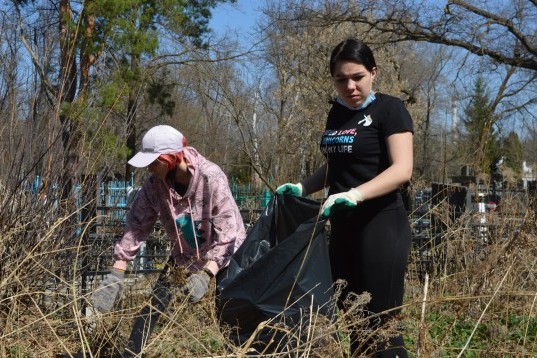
[158, 140]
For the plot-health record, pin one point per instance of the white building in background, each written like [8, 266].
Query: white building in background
[528, 175]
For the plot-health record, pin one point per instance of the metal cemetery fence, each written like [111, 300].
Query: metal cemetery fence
[436, 212]
[106, 220]
[428, 228]
[113, 201]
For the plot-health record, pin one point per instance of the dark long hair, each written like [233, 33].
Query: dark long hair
[355, 51]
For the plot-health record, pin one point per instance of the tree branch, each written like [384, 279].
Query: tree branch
[398, 20]
[35, 59]
[500, 21]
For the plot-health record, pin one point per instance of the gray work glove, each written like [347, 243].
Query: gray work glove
[105, 296]
[290, 188]
[196, 285]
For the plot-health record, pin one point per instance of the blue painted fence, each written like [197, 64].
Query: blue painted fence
[115, 197]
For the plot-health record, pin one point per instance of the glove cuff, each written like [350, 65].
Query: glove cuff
[208, 272]
[356, 195]
[118, 273]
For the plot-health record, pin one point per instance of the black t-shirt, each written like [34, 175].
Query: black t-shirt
[354, 141]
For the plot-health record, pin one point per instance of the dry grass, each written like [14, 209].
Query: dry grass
[481, 297]
[482, 294]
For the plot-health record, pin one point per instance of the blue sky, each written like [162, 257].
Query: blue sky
[240, 17]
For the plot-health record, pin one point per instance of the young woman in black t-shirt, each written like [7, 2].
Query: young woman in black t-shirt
[368, 148]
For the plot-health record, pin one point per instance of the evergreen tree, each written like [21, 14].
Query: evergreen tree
[482, 147]
[513, 154]
[133, 28]
[125, 34]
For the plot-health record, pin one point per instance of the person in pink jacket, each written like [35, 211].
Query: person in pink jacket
[191, 197]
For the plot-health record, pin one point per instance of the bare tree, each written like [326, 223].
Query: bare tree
[228, 104]
[501, 30]
[426, 85]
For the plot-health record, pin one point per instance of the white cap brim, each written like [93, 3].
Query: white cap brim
[141, 159]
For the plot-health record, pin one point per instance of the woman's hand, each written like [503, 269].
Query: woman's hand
[105, 296]
[345, 200]
[290, 188]
[196, 285]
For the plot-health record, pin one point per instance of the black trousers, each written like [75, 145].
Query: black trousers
[369, 249]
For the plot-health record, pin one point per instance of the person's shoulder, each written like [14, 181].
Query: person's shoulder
[339, 112]
[335, 106]
[388, 99]
[206, 168]
[151, 190]
[191, 153]
[202, 163]
[396, 117]
[196, 159]
[153, 185]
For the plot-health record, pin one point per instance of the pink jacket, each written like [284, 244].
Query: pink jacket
[208, 201]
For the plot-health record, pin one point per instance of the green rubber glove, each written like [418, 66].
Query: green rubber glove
[290, 188]
[346, 200]
[105, 296]
[196, 286]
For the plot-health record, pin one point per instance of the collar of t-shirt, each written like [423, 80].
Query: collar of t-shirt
[370, 98]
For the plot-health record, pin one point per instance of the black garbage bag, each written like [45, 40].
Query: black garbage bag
[281, 272]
